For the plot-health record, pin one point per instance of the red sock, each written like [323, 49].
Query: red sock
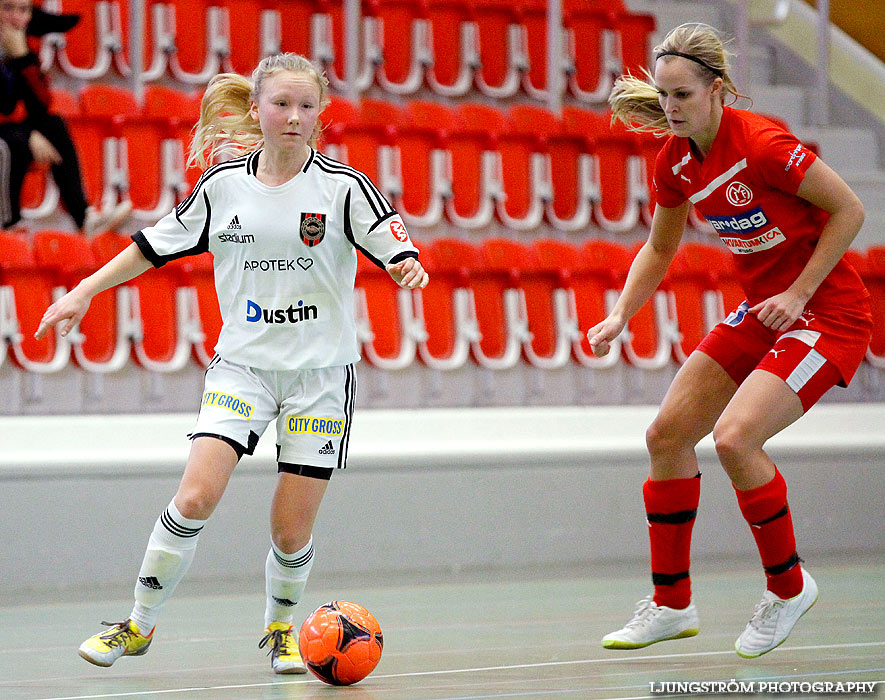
[670, 508]
[765, 509]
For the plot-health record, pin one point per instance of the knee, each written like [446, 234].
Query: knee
[732, 441]
[665, 437]
[195, 504]
[288, 540]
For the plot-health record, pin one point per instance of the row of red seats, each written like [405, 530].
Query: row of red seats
[126, 150]
[452, 46]
[466, 163]
[497, 303]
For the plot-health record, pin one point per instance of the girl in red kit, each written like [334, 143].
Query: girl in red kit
[788, 219]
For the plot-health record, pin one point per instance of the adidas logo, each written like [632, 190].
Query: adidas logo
[283, 601]
[150, 582]
[327, 449]
[234, 224]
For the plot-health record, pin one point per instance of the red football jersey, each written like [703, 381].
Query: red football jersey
[746, 188]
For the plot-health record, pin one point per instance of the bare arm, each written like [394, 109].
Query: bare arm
[74, 305]
[825, 189]
[646, 272]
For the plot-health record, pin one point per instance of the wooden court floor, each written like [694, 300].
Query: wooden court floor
[473, 636]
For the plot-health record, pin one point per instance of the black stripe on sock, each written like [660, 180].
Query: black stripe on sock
[678, 518]
[782, 568]
[176, 529]
[780, 514]
[667, 579]
[293, 563]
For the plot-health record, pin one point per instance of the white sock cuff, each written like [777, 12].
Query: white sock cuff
[298, 560]
[178, 525]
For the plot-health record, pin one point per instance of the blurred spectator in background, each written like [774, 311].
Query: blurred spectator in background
[32, 134]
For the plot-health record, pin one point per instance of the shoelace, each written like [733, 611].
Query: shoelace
[764, 611]
[119, 636]
[645, 609]
[279, 642]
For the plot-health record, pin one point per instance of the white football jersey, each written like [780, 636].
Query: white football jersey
[285, 257]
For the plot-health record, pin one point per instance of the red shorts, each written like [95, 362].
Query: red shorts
[823, 348]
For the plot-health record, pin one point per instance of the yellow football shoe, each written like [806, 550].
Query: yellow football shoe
[122, 639]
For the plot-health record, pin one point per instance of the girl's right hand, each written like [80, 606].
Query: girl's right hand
[603, 333]
[70, 308]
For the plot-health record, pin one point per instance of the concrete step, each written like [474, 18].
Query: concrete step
[784, 101]
[844, 149]
[762, 65]
[870, 187]
[873, 231]
[672, 13]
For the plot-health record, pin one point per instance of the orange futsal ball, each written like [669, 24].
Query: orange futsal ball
[340, 642]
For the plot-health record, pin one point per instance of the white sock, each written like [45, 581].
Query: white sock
[169, 554]
[285, 579]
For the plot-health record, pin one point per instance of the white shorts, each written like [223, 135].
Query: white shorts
[313, 409]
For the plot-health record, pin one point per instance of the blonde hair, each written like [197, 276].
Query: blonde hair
[635, 101]
[226, 126]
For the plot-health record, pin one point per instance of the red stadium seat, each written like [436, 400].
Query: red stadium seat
[595, 283]
[619, 170]
[452, 36]
[445, 309]
[132, 147]
[476, 165]
[634, 30]
[26, 290]
[573, 179]
[364, 137]
[202, 40]
[605, 39]
[157, 39]
[198, 273]
[695, 300]
[87, 51]
[256, 32]
[97, 133]
[533, 18]
[164, 314]
[525, 166]
[298, 19]
[502, 46]
[338, 117]
[592, 49]
[404, 45]
[101, 341]
[385, 318]
[652, 332]
[180, 111]
[500, 307]
[550, 313]
[359, 135]
[422, 147]
[328, 44]
[377, 131]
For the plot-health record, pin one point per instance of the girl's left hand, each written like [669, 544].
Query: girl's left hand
[409, 274]
[780, 311]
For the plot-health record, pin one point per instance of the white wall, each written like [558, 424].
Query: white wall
[432, 489]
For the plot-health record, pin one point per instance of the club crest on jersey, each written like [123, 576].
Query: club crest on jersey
[739, 194]
[313, 228]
